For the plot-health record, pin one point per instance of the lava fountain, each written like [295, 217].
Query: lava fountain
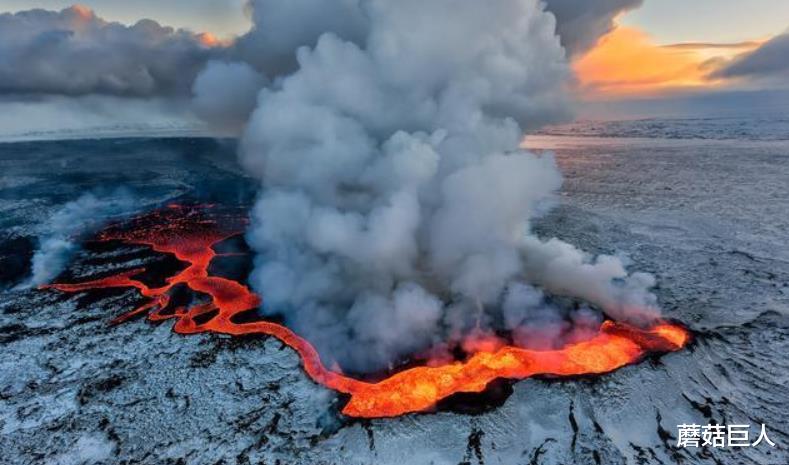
[190, 233]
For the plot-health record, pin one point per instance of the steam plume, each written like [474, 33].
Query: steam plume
[56, 242]
[396, 203]
[225, 93]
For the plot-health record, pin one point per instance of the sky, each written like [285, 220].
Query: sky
[656, 49]
[673, 21]
[634, 61]
[666, 21]
[667, 48]
[220, 17]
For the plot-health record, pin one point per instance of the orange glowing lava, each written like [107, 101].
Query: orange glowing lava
[190, 235]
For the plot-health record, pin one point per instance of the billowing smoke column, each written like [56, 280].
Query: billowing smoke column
[396, 203]
[224, 94]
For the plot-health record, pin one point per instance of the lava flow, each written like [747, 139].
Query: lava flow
[190, 235]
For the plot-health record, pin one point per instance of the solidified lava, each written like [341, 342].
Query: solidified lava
[191, 233]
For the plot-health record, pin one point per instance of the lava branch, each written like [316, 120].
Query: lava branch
[181, 231]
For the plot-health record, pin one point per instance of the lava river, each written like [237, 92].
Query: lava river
[190, 235]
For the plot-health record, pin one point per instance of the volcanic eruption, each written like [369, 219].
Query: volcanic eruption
[396, 204]
[393, 230]
[191, 233]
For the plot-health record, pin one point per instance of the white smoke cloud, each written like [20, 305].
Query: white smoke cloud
[225, 94]
[57, 240]
[270, 44]
[396, 203]
[74, 52]
[603, 280]
[538, 323]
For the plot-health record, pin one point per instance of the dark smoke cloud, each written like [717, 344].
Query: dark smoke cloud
[580, 23]
[74, 52]
[770, 62]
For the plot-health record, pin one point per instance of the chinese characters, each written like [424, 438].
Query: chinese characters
[692, 435]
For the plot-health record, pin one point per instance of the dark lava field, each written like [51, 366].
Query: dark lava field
[709, 218]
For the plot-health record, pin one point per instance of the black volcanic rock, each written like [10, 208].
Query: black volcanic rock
[16, 256]
[75, 390]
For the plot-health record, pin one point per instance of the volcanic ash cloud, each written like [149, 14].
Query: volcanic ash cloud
[396, 203]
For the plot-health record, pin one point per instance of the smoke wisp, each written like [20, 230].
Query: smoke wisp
[57, 239]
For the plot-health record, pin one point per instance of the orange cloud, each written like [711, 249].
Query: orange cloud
[82, 11]
[627, 63]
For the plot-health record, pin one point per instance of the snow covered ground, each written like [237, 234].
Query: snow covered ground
[710, 218]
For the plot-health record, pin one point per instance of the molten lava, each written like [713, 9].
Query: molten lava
[190, 235]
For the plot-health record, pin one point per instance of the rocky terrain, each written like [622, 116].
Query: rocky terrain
[709, 218]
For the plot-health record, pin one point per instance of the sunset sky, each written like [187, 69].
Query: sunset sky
[667, 21]
[656, 51]
[628, 63]
[660, 48]
[670, 46]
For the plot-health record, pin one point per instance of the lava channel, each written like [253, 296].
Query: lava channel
[190, 234]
